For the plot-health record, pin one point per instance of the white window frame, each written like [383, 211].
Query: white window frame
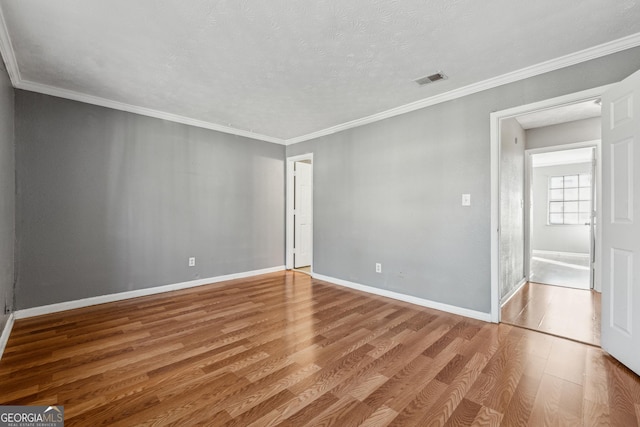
[564, 200]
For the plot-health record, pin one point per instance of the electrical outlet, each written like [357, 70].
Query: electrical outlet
[192, 261]
[378, 267]
[466, 200]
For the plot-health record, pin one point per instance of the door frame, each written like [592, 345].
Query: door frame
[290, 220]
[495, 125]
[528, 171]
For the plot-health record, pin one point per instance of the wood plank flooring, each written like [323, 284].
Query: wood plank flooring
[284, 349]
[565, 312]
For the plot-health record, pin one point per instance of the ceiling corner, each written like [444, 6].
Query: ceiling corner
[8, 55]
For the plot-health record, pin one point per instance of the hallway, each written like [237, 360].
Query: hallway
[565, 312]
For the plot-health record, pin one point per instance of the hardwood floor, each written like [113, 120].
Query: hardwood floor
[283, 349]
[565, 312]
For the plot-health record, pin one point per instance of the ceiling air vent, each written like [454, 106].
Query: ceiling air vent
[430, 79]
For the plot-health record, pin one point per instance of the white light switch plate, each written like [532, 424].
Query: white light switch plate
[466, 200]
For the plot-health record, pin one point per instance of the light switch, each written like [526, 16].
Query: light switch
[466, 200]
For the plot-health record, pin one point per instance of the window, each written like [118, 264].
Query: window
[570, 199]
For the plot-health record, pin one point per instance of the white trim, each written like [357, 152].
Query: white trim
[289, 243]
[486, 317]
[521, 74]
[86, 302]
[495, 120]
[549, 104]
[103, 102]
[8, 54]
[565, 147]
[528, 178]
[505, 299]
[11, 63]
[559, 163]
[4, 338]
[495, 217]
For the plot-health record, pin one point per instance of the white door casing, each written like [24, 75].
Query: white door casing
[495, 123]
[302, 213]
[620, 226]
[594, 216]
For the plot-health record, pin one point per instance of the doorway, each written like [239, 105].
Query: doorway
[561, 215]
[547, 236]
[299, 242]
[560, 198]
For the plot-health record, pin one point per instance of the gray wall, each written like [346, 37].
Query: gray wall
[110, 201]
[512, 143]
[390, 191]
[564, 133]
[557, 238]
[7, 195]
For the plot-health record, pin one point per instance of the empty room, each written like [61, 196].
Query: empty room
[319, 213]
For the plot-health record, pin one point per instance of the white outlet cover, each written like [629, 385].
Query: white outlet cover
[466, 200]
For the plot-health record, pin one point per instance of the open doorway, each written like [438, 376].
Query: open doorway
[300, 213]
[548, 218]
[561, 225]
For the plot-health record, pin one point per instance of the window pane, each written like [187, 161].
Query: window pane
[571, 194]
[585, 193]
[555, 218]
[556, 182]
[555, 207]
[584, 218]
[584, 207]
[571, 218]
[571, 207]
[585, 180]
[571, 181]
[555, 194]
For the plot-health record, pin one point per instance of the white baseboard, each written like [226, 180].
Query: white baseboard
[407, 298]
[85, 302]
[513, 291]
[4, 338]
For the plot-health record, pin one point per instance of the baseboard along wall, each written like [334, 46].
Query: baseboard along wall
[486, 317]
[86, 302]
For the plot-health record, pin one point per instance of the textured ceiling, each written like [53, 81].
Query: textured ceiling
[284, 68]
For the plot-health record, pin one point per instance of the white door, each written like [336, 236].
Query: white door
[620, 222]
[302, 213]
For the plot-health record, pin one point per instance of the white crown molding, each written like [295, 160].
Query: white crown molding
[102, 299]
[8, 54]
[486, 317]
[524, 73]
[116, 105]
